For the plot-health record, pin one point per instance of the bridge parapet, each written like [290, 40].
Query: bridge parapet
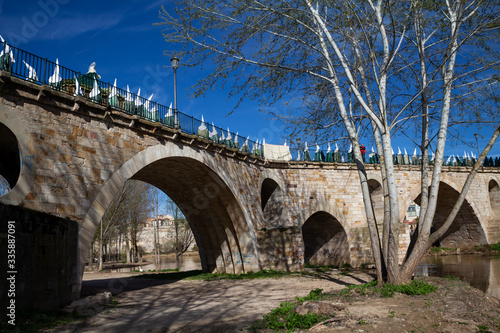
[91, 89]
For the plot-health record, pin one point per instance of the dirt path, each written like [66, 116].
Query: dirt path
[146, 305]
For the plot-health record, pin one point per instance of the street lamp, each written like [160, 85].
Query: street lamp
[175, 64]
[477, 144]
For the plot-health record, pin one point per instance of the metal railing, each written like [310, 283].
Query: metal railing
[42, 71]
[343, 156]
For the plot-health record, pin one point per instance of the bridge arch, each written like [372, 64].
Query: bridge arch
[272, 191]
[204, 192]
[10, 164]
[467, 229]
[324, 233]
[377, 195]
[18, 156]
[494, 196]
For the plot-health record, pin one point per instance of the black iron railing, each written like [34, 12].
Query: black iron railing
[343, 156]
[41, 71]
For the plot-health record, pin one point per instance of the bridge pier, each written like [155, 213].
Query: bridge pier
[45, 262]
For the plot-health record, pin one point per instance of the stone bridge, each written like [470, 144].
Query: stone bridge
[65, 159]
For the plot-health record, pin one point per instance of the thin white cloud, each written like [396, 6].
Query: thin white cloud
[155, 5]
[64, 25]
[140, 28]
[69, 27]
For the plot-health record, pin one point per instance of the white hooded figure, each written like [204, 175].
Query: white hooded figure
[56, 78]
[202, 129]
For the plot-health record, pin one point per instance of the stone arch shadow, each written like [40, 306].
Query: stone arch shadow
[325, 234]
[21, 168]
[494, 196]
[466, 230]
[272, 196]
[192, 178]
[377, 195]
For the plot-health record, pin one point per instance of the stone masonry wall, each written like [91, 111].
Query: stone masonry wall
[76, 155]
[45, 260]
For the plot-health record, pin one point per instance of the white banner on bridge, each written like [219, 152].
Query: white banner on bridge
[277, 152]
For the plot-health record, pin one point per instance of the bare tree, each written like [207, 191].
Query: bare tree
[154, 194]
[126, 215]
[183, 237]
[377, 68]
[110, 219]
[138, 209]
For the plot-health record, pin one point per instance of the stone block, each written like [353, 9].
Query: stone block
[65, 158]
[89, 150]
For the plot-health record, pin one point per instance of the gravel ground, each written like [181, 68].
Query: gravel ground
[147, 305]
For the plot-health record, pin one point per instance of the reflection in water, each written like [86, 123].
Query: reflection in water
[188, 263]
[480, 271]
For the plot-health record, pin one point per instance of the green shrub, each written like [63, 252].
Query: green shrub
[416, 287]
[314, 295]
[439, 249]
[285, 318]
[345, 265]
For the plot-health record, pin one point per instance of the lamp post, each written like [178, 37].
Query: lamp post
[477, 144]
[175, 64]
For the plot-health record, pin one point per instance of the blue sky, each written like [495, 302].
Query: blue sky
[120, 37]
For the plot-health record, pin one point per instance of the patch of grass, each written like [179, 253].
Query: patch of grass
[345, 265]
[160, 270]
[487, 247]
[320, 268]
[284, 317]
[391, 314]
[439, 249]
[483, 329]
[416, 287]
[199, 275]
[314, 295]
[451, 277]
[364, 289]
[175, 276]
[36, 320]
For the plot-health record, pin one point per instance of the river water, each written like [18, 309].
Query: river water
[188, 263]
[482, 272]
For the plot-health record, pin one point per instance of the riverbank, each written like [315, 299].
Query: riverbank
[154, 305]
[485, 249]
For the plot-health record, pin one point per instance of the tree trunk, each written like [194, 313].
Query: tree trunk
[127, 247]
[100, 252]
[91, 256]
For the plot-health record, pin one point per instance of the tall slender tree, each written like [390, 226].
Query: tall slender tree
[126, 215]
[378, 68]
